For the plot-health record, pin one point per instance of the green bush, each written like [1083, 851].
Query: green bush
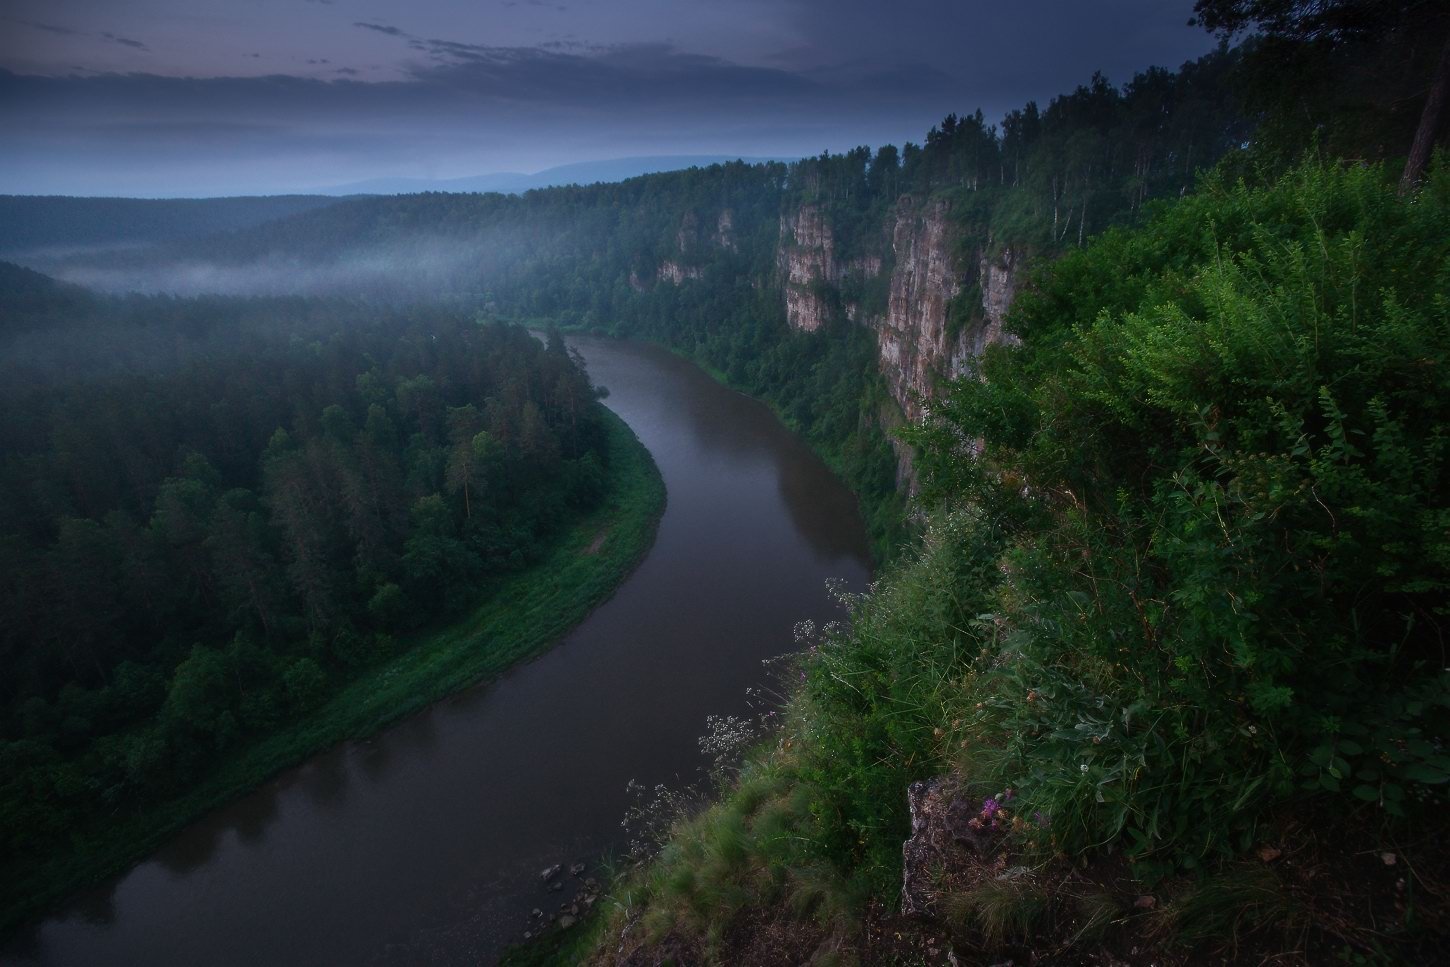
[1222, 449]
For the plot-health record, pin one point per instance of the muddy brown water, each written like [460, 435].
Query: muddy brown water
[425, 843]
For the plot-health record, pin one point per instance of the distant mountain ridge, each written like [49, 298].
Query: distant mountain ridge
[512, 182]
[36, 223]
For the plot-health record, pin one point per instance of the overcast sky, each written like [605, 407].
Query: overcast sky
[196, 97]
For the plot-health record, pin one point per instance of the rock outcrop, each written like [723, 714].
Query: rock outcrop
[674, 273]
[912, 338]
[944, 825]
[925, 335]
[997, 279]
[807, 261]
[725, 230]
[918, 344]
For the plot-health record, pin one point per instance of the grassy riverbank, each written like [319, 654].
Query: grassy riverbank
[520, 618]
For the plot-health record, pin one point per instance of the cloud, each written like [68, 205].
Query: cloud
[477, 109]
[72, 32]
[380, 28]
[49, 28]
[846, 72]
[125, 41]
[569, 72]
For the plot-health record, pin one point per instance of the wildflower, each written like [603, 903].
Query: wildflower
[1083, 767]
[990, 807]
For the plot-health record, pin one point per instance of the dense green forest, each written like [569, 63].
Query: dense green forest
[206, 535]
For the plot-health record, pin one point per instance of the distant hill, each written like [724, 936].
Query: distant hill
[36, 223]
[508, 182]
[30, 300]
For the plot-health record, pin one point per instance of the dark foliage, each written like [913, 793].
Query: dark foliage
[197, 551]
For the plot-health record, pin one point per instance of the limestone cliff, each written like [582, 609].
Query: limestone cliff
[912, 337]
[925, 334]
[690, 249]
[725, 230]
[674, 273]
[807, 260]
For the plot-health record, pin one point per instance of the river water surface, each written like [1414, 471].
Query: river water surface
[424, 844]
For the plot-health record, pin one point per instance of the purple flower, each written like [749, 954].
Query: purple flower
[990, 807]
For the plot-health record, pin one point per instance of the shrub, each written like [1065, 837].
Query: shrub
[1222, 451]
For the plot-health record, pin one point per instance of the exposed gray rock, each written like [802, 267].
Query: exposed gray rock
[551, 872]
[941, 825]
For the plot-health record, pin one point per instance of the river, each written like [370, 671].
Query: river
[424, 844]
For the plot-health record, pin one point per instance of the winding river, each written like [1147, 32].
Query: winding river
[425, 843]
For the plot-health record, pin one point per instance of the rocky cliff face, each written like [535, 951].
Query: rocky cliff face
[917, 347]
[912, 337]
[674, 273]
[997, 279]
[688, 245]
[725, 230]
[917, 344]
[807, 260]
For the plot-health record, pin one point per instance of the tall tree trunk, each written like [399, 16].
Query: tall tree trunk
[1424, 141]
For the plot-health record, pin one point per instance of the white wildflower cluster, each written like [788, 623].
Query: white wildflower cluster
[650, 816]
[726, 739]
[836, 588]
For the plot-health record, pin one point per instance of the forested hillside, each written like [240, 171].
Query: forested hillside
[208, 534]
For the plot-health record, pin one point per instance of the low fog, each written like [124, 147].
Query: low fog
[426, 268]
